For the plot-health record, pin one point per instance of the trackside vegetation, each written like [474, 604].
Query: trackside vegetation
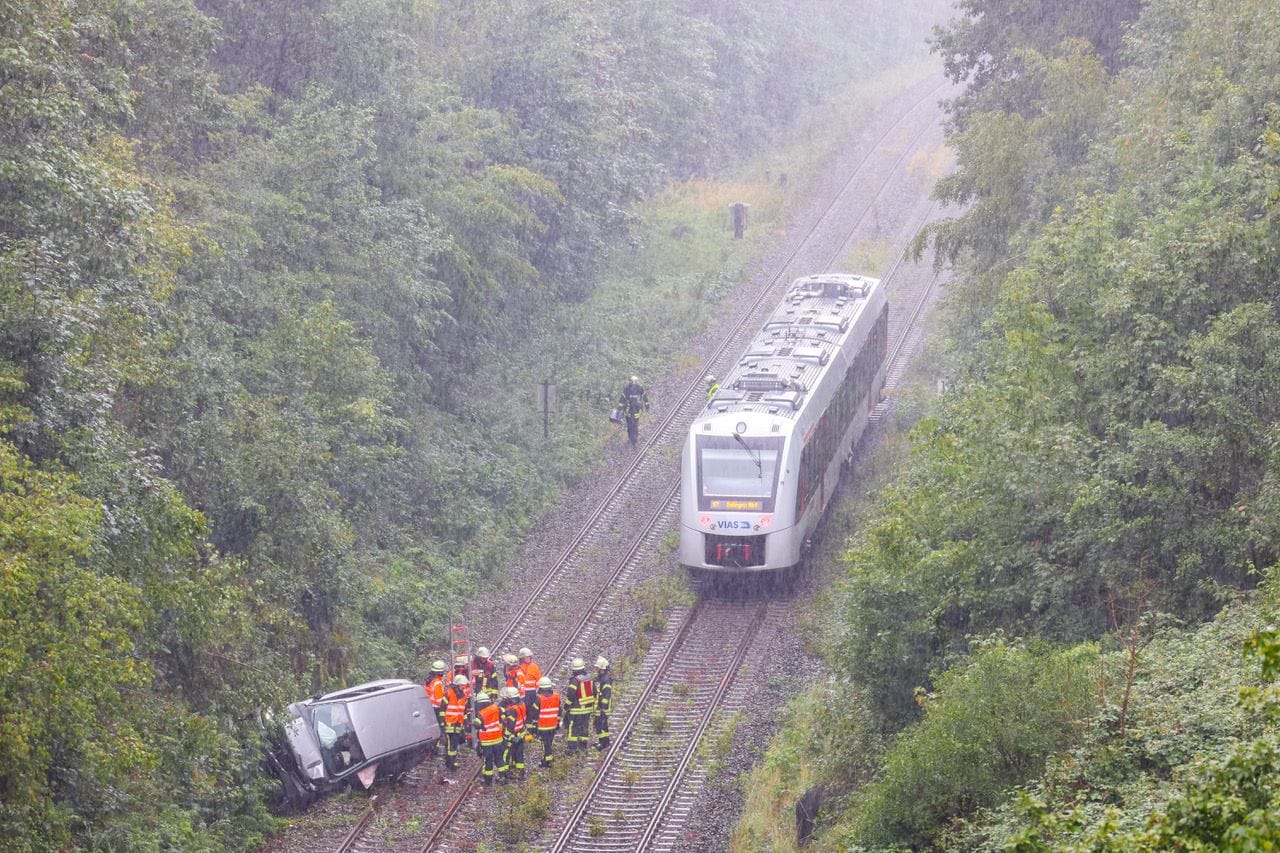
[276, 282]
[1055, 630]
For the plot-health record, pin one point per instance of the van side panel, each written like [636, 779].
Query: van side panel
[387, 723]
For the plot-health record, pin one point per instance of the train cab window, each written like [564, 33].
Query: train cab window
[738, 473]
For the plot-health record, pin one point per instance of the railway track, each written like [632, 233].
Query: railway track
[645, 790]
[625, 807]
[560, 605]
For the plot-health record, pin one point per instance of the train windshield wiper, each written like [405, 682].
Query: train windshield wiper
[754, 456]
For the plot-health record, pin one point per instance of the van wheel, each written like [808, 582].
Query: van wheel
[293, 798]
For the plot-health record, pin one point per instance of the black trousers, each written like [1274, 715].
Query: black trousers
[602, 729]
[633, 429]
[515, 752]
[492, 755]
[579, 732]
[453, 743]
[548, 744]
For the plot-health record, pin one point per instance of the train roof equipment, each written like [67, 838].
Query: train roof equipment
[790, 352]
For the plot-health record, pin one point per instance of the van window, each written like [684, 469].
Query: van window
[338, 743]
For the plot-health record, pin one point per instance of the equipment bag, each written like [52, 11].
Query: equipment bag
[616, 415]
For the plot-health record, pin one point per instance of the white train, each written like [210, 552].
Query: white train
[763, 457]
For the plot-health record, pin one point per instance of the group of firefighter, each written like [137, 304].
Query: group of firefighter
[503, 711]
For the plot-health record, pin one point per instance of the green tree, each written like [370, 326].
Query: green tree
[67, 657]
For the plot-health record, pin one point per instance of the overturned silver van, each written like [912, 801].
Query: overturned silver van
[355, 737]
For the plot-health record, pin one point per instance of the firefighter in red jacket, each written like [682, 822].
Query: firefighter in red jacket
[548, 718]
[484, 675]
[580, 704]
[513, 727]
[457, 698]
[488, 723]
[435, 694]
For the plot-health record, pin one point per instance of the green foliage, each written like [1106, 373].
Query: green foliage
[525, 807]
[269, 274]
[1109, 425]
[1192, 774]
[991, 724]
[67, 650]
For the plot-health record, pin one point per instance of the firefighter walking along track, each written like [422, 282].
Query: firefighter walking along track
[692, 669]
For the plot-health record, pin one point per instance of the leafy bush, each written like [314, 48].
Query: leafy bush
[991, 724]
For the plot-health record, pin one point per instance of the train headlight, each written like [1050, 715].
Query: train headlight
[705, 521]
[765, 521]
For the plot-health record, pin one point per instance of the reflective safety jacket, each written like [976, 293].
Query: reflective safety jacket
[532, 674]
[489, 724]
[515, 678]
[513, 714]
[435, 691]
[604, 692]
[485, 679]
[455, 707]
[548, 710]
[580, 695]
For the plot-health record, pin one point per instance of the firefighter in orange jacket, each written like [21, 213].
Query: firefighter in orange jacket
[513, 726]
[512, 676]
[488, 723]
[532, 674]
[548, 718]
[435, 694]
[580, 702]
[457, 697]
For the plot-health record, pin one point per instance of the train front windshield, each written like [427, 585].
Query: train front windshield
[738, 473]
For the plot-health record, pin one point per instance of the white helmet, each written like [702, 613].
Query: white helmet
[635, 379]
[482, 698]
[711, 380]
[508, 692]
[602, 662]
[578, 663]
[460, 660]
[461, 679]
[525, 653]
[510, 660]
[544, 682]
[437, 666]
[483, 652]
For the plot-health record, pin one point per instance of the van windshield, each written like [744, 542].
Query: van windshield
[338, 743]
[738, 473]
